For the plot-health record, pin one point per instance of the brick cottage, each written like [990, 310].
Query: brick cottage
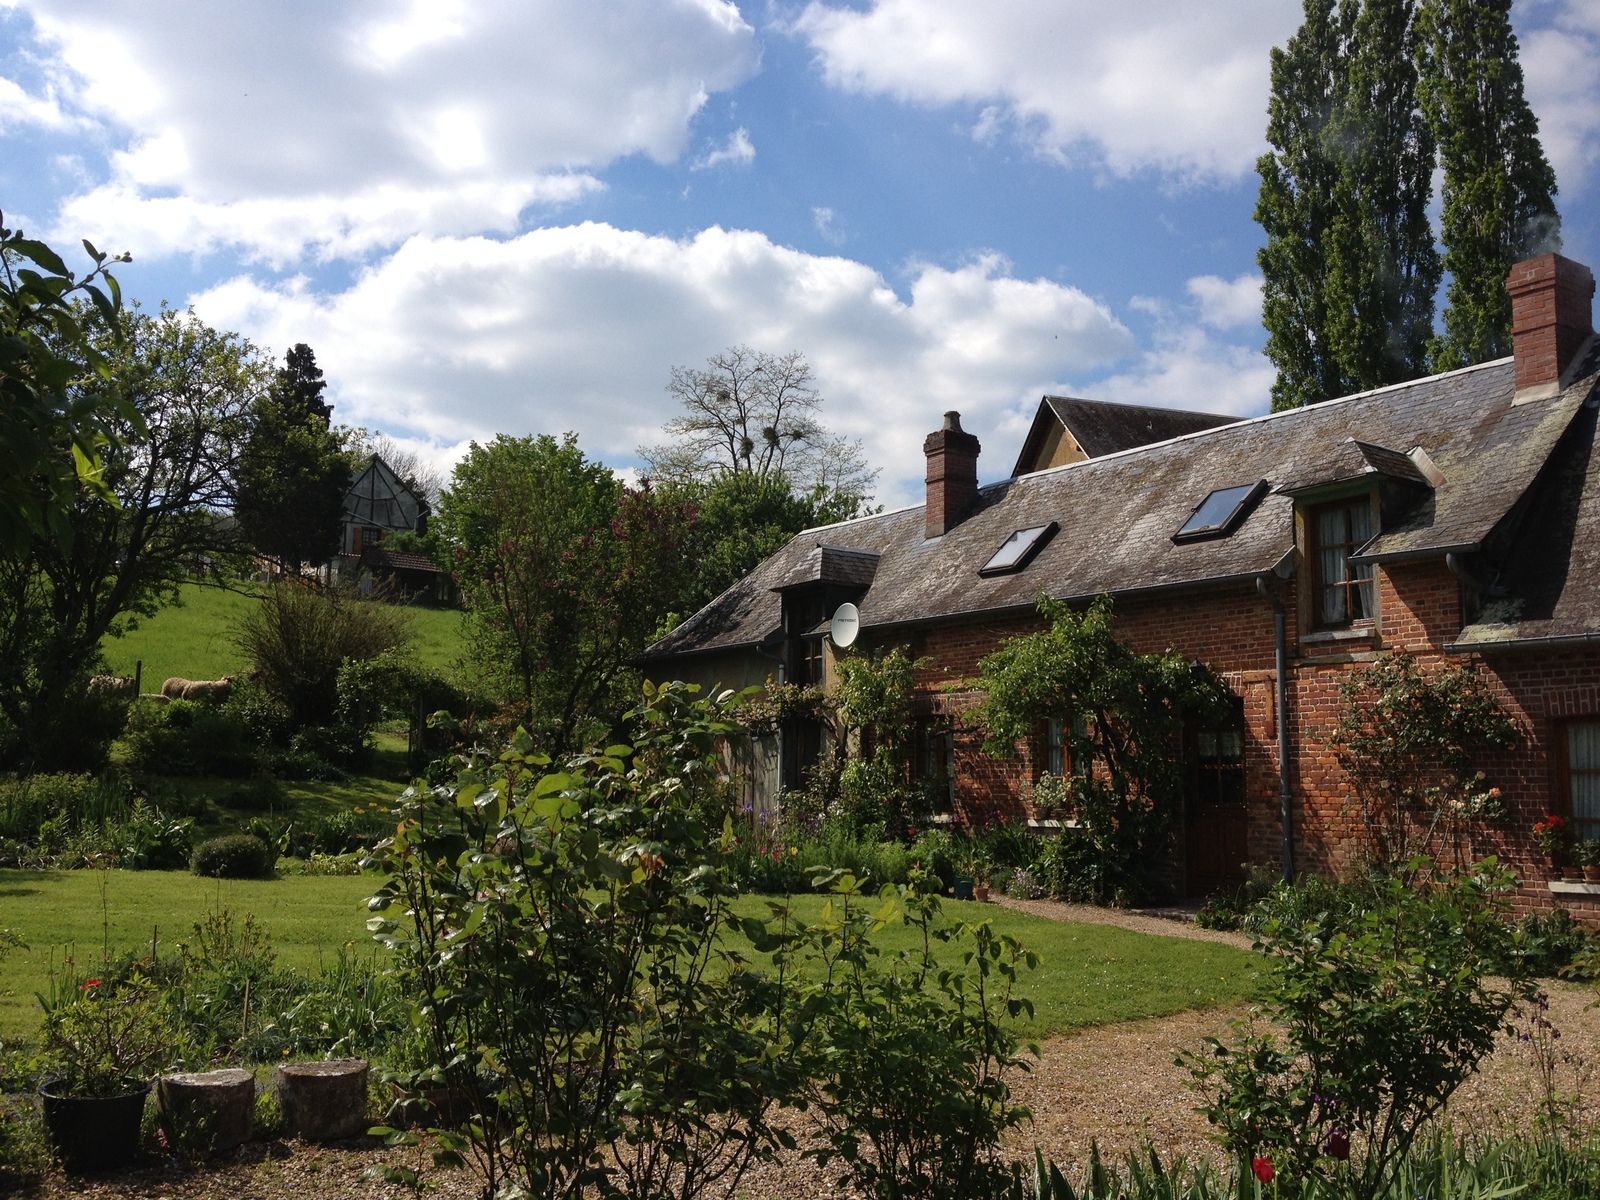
[1457, 517]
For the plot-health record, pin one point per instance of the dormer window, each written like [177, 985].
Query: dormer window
[1345, 592]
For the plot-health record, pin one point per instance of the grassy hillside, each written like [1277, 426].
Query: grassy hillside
[194, 639]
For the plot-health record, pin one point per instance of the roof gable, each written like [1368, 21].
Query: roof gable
[1067, 429]
[380, 498]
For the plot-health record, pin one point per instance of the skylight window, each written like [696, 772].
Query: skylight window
[1017, 551]
[1220, 512]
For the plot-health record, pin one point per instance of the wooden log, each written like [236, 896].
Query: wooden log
[323, 1101]
[216, 1106]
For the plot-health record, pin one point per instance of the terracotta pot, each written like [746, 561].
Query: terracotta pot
[1575, 874]
[1591, 874]
[980, 891]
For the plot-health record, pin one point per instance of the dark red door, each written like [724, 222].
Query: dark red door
[1216, 829]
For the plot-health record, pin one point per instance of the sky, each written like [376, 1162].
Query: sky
[516, 216]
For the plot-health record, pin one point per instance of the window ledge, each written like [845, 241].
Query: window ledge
[1340, 635]
[1571, 887]
[1051, 825]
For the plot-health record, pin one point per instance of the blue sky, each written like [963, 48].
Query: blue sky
[516, 217]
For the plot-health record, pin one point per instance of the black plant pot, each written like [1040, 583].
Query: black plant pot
[93, 1133]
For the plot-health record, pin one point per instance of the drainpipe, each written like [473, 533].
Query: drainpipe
[1281, 649]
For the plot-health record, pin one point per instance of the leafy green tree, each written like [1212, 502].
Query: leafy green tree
[565, 575]
[1349, 266]
[179, 395]
[293, 474]
[1499, 189]
[52, 429]
[1120, 713]
[1383, 269]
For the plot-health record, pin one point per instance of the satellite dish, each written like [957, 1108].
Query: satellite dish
[845, 625]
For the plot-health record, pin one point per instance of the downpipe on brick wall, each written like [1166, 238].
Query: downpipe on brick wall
[1281, 650]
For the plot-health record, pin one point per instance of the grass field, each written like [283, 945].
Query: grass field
[1090, 974]
[194, 639]
[309, 917]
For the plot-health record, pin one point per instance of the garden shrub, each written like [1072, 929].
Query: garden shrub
[303, 633]
[188, 737]
[1227, 908]
[83, 820]
[888, 1026]
[1372, 1027]
[1545, 944]
[236, 856]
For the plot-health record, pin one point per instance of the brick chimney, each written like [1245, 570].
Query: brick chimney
[1551, 319]
[952, 475]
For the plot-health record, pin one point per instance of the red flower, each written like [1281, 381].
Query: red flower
[1262, 1168]
[90, 984]
[1337, 1145]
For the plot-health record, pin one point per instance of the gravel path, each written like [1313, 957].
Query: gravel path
[1180, 924]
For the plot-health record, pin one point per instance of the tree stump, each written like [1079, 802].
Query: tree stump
[323, 1101]
[218, 1107]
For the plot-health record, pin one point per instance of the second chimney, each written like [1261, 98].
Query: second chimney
[952, 475]
[1551, 319]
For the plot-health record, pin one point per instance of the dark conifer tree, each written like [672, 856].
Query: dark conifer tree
[293, 473]
[1499, 189]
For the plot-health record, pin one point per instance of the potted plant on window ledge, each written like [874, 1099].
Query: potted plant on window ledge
[102, 1045]
[1586, 854]
[1554, 840]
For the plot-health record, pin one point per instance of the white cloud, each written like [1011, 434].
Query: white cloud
[825, 219]
[1177, 86]
[1563, 86]
[576, 328]
[350, 126]
[1187, 368]
[737, 150]
[17, 107]
[1227, 304]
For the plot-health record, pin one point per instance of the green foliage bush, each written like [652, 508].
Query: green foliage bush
[302, 635]
[236, 856]
[189, 737]
[84, 820]
[568, 950]
[1374, 1021]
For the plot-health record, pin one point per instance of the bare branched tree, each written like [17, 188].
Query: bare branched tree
[753, 413]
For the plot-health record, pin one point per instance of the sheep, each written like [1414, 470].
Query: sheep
[198, 689]
[115, 684]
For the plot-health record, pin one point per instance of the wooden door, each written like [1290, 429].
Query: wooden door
[1216, 825]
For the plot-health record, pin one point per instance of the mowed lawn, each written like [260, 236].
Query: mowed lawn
[195, 639]
[60, 912]
[1089, 974]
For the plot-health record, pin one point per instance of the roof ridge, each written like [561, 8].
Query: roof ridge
[1320, 406]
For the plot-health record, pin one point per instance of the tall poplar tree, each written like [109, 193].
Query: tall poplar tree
[1349, 266]
[1295, 207]
[1499, 189]
[1383, 269]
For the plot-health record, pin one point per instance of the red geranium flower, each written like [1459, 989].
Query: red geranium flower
[1262, 1168]
[90, 984]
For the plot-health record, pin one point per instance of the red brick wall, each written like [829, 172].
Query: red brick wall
[1231, 629]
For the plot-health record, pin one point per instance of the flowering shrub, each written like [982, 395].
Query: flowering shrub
[1409, 743]
[1380, 1021]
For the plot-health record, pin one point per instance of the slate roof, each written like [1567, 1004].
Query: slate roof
[1100, 427]
[1549, 586]
[1118, 512]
